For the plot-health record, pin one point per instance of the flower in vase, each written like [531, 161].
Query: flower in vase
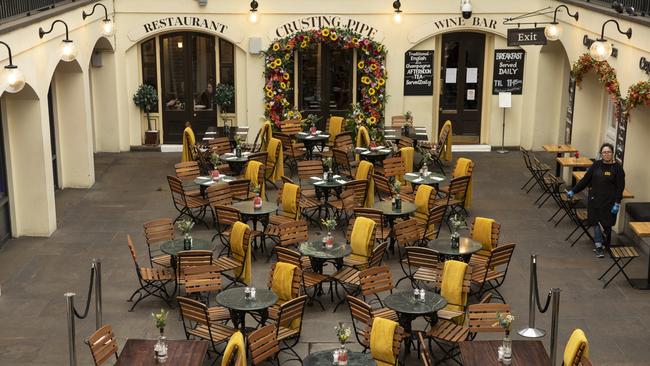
[342, 332]
[160, 318]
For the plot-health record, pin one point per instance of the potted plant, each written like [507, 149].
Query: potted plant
[224, 95]
[330, 224]
[185, 226]
[146, 98]
[342, 333]
[456, 223]
[397, 200]
[160, 348]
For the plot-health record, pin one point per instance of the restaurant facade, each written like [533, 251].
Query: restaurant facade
[434, 62]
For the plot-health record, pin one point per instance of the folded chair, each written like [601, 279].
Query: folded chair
[102, 345]
[490, 276]
[289, 325]
[157, 232]
[197, 324]
[152, 281]
[186, 205]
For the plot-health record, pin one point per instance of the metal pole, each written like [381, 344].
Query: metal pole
[531, 331]
[97, 265]
[503, 134]
[69, 297]
[554, 323]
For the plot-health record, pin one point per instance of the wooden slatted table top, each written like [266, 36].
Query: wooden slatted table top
[640, 228]
[179, 353]
[484, 353]
[572, 162]
[580, 175]
[559, 149]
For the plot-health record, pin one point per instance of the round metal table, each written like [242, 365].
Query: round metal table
[172, 247]
[467, 247]
[433, 179]
[318, 253]
[207, 181]
[373, 156]
[310, 141]
[392, 214]
[325, 187]
[325, 358]
[234, 300]
[408, 309]
[236, 164]
[255, 215]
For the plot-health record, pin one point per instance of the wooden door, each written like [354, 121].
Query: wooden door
[461, 86]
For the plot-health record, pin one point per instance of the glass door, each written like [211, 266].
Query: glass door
[188, 67]
[461, 88]
[325, 77]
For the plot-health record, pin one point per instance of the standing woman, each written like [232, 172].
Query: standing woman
[606, 180]
[188, 142]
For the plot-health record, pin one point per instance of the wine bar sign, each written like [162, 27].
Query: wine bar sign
[418, 73]
[508, 71]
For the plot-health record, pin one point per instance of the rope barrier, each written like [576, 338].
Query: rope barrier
[541, 309]
[90, 291]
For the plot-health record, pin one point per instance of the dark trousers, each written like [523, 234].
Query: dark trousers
[603, 236]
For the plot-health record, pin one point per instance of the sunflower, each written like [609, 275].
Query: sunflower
[286, 57]
[365, 80]
[371, 91]
[373, 67]
[303, 44]
[269, 94]
[372, 120]
[290, 113]
[325, 32]
[278, 61]
[374, 100]
[283, 85]
[334, 36]
[355, 41]
[276, 47]
[268, 88]
[286, 76]
[380, 47]
[267, 106]
[381, 81]
[360, 65]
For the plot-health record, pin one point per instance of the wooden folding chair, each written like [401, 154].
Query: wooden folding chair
[157, 232]
[197, 324]
[343, 164]
[422, 259]
[398, 336]
[373, 281]
[382, 187]
[102, 345]
[293, 152]
[482, 256]
[263, 345]
[233, 261]
[218, 194]
[193, 207]
[620, 255]
[152, 281]
[204, 280]
[490, 277]
[289, 313]
[310, 279]
[187, 172]
[382, 233]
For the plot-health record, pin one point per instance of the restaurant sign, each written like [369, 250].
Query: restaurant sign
[508, 71]
[166, 24]
[526, 36]
[418, 73]
[326, 21]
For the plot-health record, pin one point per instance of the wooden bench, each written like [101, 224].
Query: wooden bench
[642, 229]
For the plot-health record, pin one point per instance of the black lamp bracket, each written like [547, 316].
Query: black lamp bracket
[628, 33]
[545, 11]
[11, 63]
[85, 15]
[42, 32]
[254, 5]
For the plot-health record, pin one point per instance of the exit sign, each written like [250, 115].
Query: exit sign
[528, 36]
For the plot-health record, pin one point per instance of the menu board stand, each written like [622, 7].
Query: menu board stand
[568, 124]
[418, 73]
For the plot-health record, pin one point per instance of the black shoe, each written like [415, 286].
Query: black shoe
[600, 253]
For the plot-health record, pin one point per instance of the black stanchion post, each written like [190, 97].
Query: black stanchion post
[97, 265]
[72, 349]
[531, 331]
[555, 318]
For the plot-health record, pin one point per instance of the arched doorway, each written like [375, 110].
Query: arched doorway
[462, 60]
[189, 75]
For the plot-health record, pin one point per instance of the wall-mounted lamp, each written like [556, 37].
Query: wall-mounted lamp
[253, 16]
[397, 15]
[107, 24]
[644, 65]
[600, 49]
[68, 48]
[12, 76]
[553, 30]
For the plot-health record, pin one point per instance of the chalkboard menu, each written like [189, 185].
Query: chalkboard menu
[508, 71]
[418, 73]
[569, 111]
[621, 132]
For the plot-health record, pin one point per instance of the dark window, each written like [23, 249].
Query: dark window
[149, 70]
[227, 66]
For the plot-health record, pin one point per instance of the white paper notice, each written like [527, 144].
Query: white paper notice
[471, 94]
[450, 77]
[472, 75]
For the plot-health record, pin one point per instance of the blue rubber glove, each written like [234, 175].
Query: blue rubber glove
[570, 194]
[616, 208]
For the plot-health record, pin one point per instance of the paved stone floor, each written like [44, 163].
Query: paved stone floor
[131, 189]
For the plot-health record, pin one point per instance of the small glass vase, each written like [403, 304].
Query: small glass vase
[329, 240]
[343, 355]
[455, 240]
[507, 349]
[330, 175]
[398, 202]
[257, 202]
[238, 151]
[187, 241]
[160, 348]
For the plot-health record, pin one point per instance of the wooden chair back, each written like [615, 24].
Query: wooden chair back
[293, 233]
[200, 279]
[220, 145]
[240, 187]
[348, 234]
[187, 171]
[482, 318]
[397, 342]
[263, 344]
[177, 190]
[377, 255]
[290, 127]
[260, 173]
[192, 313]
[134, 256]
[309, 168]
[405, 142]
[397, 121]
[219, 194]
[442, 140]
[291, 310]
[394, 166]
[246, 242]
[382, 186]
[434, 221]
[406, 232]
[285, 140]
[296, 281]
[375, 280]
[361, 314]
[424, 355]
[438, 278]
[342, 161]
[375, 215]
[287, 255]
[102, 344]
[360, 188]
[191, 258]
[500, 258]
[458, 186]
[470, 169]
[159, 230]
[280, 211]
[226, 216]
[259, 156]
[272, 166]
[343, 141]
[421, 257]
[496, 231]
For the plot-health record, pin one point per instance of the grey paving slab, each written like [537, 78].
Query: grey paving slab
[131, 188]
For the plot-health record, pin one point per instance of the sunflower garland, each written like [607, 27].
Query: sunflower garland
[279, 69]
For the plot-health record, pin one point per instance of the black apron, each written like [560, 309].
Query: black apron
[603, 194]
